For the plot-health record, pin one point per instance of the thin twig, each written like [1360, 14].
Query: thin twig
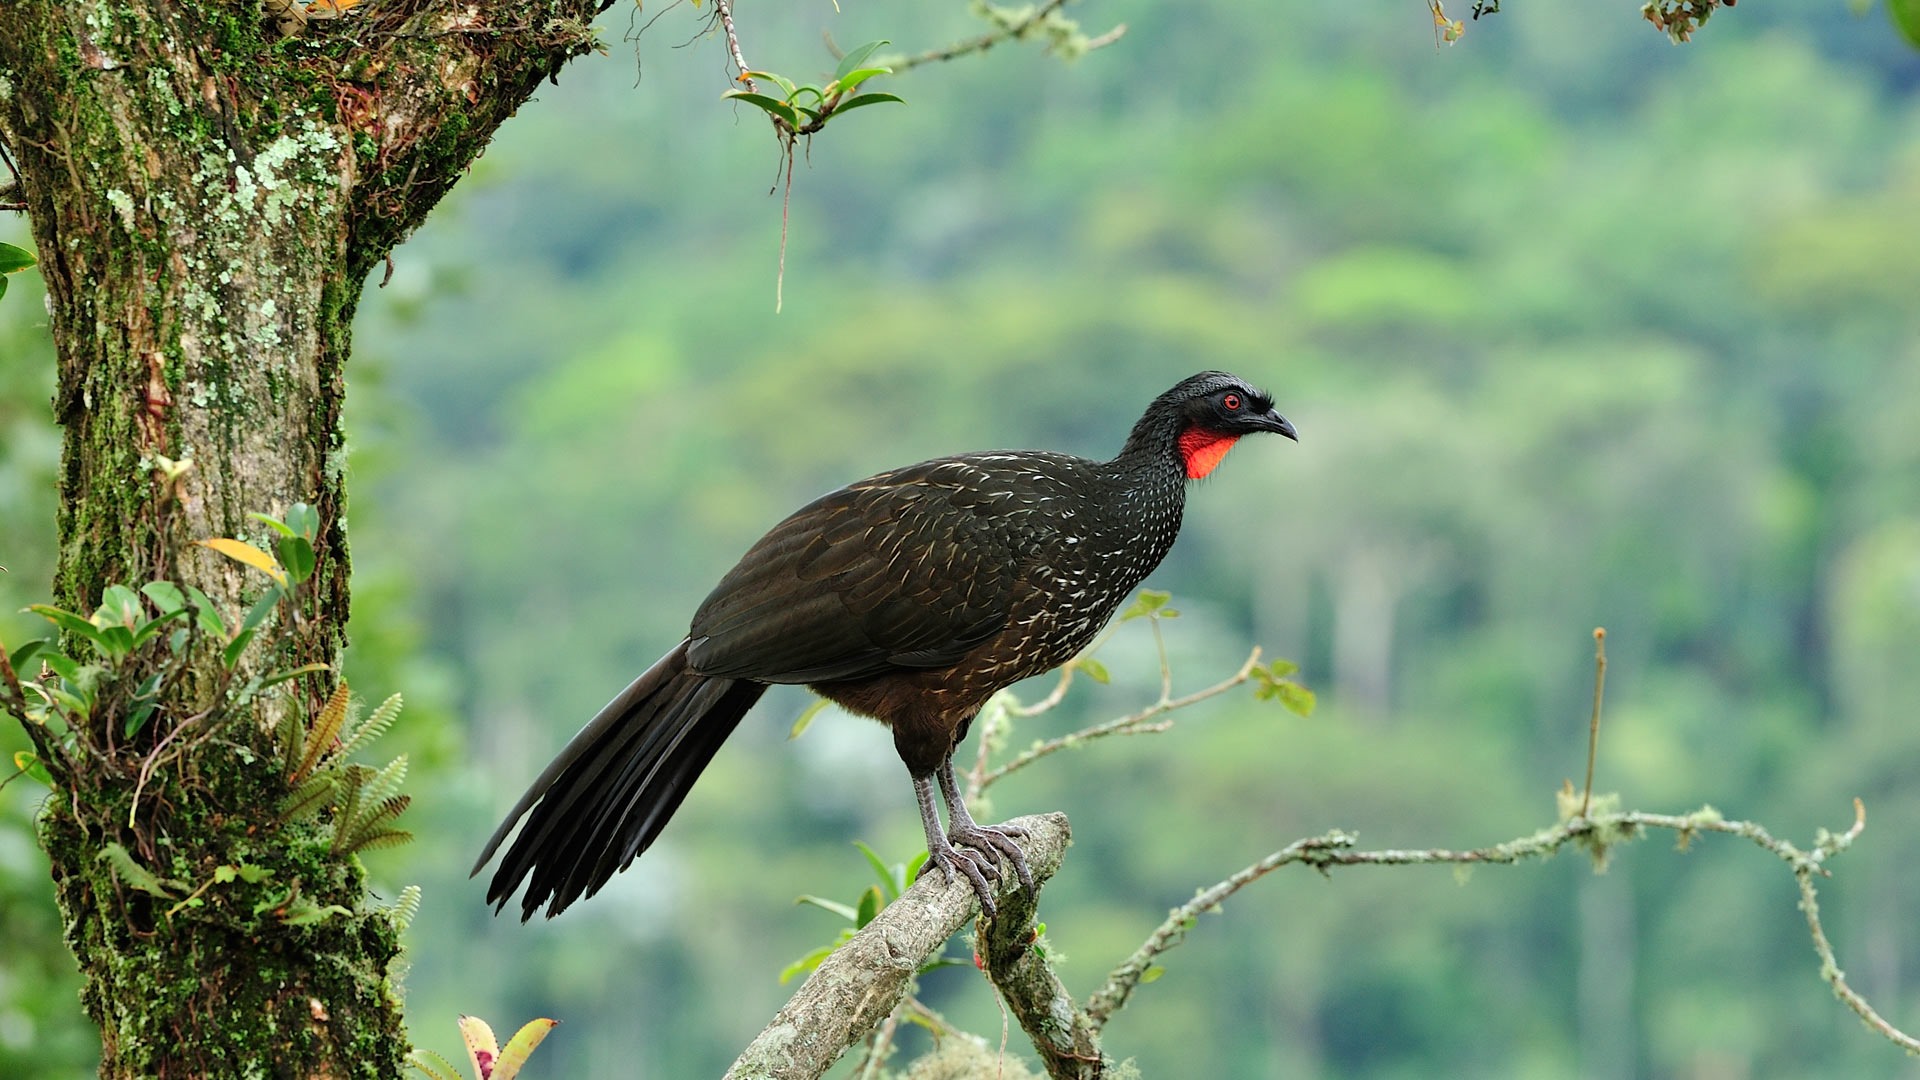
[1016, 29]
[1595, 834]
[725, 10]
[1593, 726]
[1132, 724]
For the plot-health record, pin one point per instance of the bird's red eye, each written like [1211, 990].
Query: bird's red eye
[1232, 402]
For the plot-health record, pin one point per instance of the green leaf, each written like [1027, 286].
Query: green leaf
[29, 762]
[772, 105]
[1154, 971]
[1095, 670]
[119, 606]
[785, 84]
[3, 285]
[262, 608]
[913, 867]
[282, 676]
[805, 719]
[153, 626]
[865, 99]
[144, 700]
[130, 872]
[62, 665]
[304, 520]
[845, 84]
[24, 655]
[296, 554]
[870, 904]
[304, 912]
[856, 56]
[825, 904]
[205, 614]
[435, 1066]
[1146, 603]
[881, 870]
[14, 259]
[942, 962]
[1298, 699]
[165, 595]
[67, 620]
[805, 964]
[1280, 669]
[274, 523]
[230, 655]
[1905, 15]
[515, 1053]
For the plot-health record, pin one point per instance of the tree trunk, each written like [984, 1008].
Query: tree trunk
[209, 186]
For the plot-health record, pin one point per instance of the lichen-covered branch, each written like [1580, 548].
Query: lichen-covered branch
[1063, 35]
[1596, 835]
[857, 987]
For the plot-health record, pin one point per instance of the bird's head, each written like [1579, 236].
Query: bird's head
[1211, 411]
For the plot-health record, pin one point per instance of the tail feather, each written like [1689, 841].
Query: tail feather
[605, 798]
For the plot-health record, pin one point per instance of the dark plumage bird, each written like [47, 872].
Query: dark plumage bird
[910, 597]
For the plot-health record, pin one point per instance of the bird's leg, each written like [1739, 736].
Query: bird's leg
[986, 839]
[976, 868]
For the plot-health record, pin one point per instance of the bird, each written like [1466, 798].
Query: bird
[910, 597]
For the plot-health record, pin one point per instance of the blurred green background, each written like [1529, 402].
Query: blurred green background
[1579, 328]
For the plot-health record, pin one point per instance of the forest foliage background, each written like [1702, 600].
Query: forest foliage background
[1578, 329]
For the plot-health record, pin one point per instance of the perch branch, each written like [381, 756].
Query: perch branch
[858, 986]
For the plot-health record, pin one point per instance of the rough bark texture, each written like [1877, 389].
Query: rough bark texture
[207, 197]
[855, 988]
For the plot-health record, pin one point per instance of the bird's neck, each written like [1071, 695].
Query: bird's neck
[1159, 448]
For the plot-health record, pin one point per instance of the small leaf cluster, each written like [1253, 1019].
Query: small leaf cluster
[363, 801]
[490, 1060]
[891, 880]
[122, 660]
[803, 108]
[12, 261]
[130, 873]
[1150, 604]
[1274, 682]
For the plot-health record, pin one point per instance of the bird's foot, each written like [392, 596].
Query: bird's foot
[979, 869]
[991, 840]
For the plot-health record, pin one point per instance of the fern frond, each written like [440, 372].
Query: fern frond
[381, 838]
[290, 735]
[312, 793]
[374, 726]
[321, 735]
[385, 784]
[405, 907]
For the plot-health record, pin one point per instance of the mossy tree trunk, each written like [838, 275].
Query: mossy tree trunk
[209, 184]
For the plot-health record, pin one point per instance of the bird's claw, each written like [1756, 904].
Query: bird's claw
[987, 841]
[978, 869]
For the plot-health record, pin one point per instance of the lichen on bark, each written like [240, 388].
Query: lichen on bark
[207, 198]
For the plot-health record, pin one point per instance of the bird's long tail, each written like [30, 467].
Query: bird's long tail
[611, 791]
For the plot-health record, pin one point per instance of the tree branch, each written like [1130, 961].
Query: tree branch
[1132, 724]
[1596, 835]
[1011, 26]
[858, 986]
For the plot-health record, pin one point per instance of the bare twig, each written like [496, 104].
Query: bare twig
[1132, 724]
[1018, 28]
[1593, 726]
[1594, 834]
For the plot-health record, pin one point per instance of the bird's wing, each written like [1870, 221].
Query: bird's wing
[911, 569]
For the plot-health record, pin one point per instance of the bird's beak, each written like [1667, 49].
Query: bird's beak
[1276, 423]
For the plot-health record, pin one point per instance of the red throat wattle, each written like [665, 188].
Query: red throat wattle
[1202, 450]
